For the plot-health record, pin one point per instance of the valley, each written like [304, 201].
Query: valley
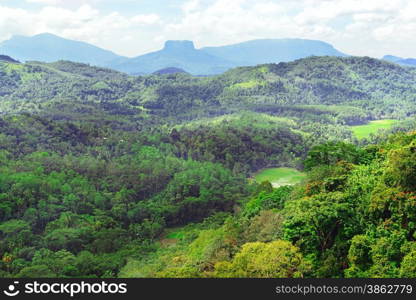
[104, 174]
[364, 131]
[279, 176]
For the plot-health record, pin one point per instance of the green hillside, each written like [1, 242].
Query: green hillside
[351, 218]
[103, 174]
[364, 131]
[375, 89]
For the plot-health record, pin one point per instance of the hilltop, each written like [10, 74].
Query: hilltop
[378, 89]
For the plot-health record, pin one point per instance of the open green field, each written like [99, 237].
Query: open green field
[364, 131]
[280, 176]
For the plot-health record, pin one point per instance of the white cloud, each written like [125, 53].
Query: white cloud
[149, 19]
[48, 2]
[359, 27]
[125, 35]
[227, 21]
[64, 3]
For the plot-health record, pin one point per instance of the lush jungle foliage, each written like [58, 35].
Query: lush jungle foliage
[350, 218]
[104, 174]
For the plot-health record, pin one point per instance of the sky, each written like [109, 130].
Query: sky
[134, 27]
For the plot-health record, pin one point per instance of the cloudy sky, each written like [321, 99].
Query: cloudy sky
[133, 27]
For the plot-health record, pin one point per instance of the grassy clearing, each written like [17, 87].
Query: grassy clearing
[242, 119]
[280, 176]
[247, 84]
[364, 131]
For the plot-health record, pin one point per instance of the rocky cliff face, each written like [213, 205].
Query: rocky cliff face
[179, 46]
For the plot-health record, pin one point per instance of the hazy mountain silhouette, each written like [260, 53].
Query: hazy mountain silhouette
[400, 60]
[272, 51]
[175, 54]
[47, 47]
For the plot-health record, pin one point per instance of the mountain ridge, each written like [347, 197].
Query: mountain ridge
[345, 81]
[216, 60]
[262, 51]
[400, 60]
[48, 47]
[175, 54]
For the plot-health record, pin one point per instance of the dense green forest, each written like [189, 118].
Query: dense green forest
[108, 175]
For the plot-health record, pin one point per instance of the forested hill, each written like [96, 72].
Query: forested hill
[103, 174]
[325, 80]
[378, 88]
[352, 217]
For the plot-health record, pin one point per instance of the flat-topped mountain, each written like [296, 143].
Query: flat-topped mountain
[215, 60]
[175, 54]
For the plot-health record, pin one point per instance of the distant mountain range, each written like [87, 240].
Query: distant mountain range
[170, 70]
[265, 51]
[47, 47]
[215, 60]
[175, 54]
[6, 58]
[401, 61]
